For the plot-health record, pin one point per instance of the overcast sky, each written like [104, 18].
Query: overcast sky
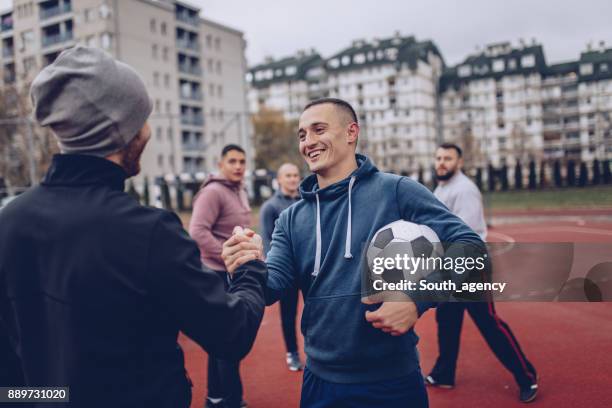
[280, 28]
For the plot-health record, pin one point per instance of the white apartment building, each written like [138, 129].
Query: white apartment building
[507, 104]
[392, 84]
[225, 87]
[164, 41]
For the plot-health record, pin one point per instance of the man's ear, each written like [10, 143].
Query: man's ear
[352, 133]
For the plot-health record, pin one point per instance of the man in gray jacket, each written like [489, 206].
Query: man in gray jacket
[463, 198]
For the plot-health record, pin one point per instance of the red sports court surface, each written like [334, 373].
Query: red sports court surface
[570, 345]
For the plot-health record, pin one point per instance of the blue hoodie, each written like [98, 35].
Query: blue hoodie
[318, 244]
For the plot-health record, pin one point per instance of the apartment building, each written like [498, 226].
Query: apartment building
[392, 83]
[225, 87]
[502, 104]
[506, 104]
[163, 41]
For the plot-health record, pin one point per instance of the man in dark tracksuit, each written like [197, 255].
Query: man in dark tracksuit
[463, 198]
[288, 178]
[94, 287]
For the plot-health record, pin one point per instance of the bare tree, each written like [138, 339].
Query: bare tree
[26, 149]
[275, 140]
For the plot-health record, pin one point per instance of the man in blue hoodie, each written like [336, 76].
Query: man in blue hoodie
[360, 354]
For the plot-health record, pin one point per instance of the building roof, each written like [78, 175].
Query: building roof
[601, 61]
[292, 68]
[395, 50]
[496, 61]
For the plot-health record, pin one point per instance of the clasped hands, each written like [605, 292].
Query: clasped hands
[395, 316]
[243, 246]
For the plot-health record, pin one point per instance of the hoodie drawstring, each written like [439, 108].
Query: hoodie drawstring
[347, 245]
[317, 264]
[347, 248]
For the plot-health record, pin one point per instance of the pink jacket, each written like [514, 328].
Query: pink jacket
[218, 207]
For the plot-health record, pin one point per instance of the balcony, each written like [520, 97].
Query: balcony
[6, 26]
[8, 52]
[192, 120]
[192, 96]
[194, 146]
[187, 18]
[46, 13]
[190, 70]
[52, 39]
[188, 45]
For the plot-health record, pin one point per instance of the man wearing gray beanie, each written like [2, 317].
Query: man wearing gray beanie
[94, 287]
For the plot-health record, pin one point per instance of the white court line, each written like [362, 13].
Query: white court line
[582, 230]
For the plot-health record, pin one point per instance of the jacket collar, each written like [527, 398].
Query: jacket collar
[310, 187]
[80, 170]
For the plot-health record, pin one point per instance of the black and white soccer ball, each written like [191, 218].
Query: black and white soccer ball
[403, 238]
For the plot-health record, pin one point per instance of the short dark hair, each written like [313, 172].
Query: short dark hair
[342, 104]
[228, 148]
[452, 146]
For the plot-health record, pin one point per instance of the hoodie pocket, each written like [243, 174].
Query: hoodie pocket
[337, 334]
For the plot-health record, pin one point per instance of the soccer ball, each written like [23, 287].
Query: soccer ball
[408, 240]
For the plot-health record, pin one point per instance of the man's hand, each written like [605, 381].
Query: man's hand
[243, 246]
[395, 316]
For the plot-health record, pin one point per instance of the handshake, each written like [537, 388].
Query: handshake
[243, 246]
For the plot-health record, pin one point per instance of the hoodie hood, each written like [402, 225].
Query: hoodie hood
[218, 178]
[309, 189]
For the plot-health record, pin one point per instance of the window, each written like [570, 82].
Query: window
[291, 70]
[220, 91]
[158, 134]
[163, 28]
[168, 107]
[167, 80]
[512, 64]
[165, 53]
[160, 160]
[157, 106]
[169, 134]
[209, 41]
[27, 40]
[219, 67]
[498, 65]
[603, 67]
[464, 71]
[528, 61]
[153, 25]
[586, 69]
[154, 52]
[104, 11]
[106, 39]
[217, 43]
[156, 79]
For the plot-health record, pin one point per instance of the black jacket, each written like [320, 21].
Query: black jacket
[94, 289]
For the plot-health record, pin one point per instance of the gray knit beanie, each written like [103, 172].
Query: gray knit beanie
[94, 104]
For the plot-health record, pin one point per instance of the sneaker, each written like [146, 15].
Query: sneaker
[528, 393]
[429, 380]
[221, 404]
[293, 362]
[218, 403]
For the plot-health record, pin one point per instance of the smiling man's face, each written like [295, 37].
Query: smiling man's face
[327, 138]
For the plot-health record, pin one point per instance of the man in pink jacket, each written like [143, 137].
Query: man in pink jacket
[221, 205]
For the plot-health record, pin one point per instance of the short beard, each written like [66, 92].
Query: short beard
[445, 177]
[131, 154]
